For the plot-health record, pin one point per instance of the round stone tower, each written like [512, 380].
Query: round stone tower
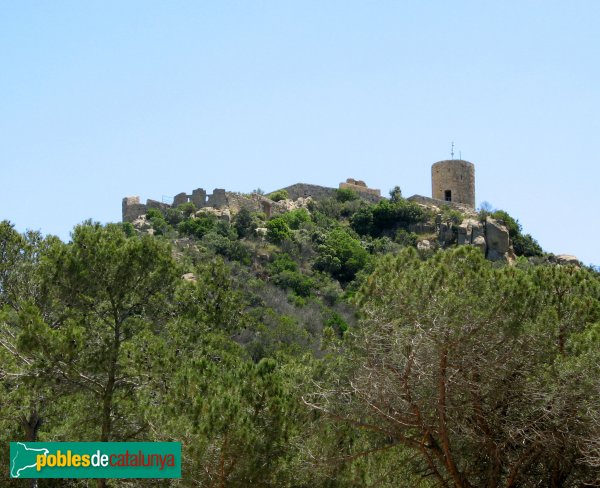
[453, 180]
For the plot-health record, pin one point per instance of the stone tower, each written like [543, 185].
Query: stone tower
[453, 180]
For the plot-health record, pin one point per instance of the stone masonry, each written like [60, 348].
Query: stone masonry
[453, 181]
[132, 208]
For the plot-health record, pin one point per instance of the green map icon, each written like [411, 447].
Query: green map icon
[23, 458]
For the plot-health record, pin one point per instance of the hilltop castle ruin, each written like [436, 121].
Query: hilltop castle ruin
[452, 183]
[132, 208]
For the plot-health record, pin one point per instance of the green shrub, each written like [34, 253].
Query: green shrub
[187, 209]
[450, 214]
[362, 221]
[244, 223]
[406, 238]
[300, 284]
[341, 255]
[278, 195]
[395, 194]
[329, 207]
[387, 216]
[282, 262]
[278, 230]
[296, 218]
[346, 195]
[526, 245]
[383, 245]
[337, 323]
[198, 226]
[157, 221]
[173, 216]
[350, 208]
[128, 229]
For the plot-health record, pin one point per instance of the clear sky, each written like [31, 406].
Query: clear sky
[105, 99]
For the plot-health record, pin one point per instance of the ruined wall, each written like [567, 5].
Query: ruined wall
[218, 199]
[305, 190]
[198, 197]
[455, 176]
[132, 209]
[157, 205]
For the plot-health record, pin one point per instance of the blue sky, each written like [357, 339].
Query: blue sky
[105, 99]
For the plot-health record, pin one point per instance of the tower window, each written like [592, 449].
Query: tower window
[448, 195]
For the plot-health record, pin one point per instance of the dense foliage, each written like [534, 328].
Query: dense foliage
[317, 347]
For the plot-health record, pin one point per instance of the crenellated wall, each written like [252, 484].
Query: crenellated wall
[133, 209]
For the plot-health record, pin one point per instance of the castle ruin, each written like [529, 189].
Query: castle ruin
[132, 208]
[452, 183]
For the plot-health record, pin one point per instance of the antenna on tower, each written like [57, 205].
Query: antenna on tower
[452, 150]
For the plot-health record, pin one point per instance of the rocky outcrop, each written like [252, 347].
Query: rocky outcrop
[289, 205]
[446, 234]
[497, 239]
[491, 237]
[422, 228]
[438, 205]
[219, 213]
[424, 245]
[479, 242]
[566, 260]
[469, 230]
[188, 277]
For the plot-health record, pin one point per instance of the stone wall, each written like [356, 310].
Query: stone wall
[456, 177]
[218, 199]
[157, 205]
[132, 209]
[198, 197]
[303, 190]
[316, 192]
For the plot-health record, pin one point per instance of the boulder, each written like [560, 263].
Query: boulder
[188, 277]
[469, 230]
[480, 243]
[141, 223]
[464, 237]
[220, 213]
[446, 235]
[494, 255]
[567, 259]
[424, 245]
[421, 228]
[289, 205]
[497, 238]
[261, 231]
[477, 230]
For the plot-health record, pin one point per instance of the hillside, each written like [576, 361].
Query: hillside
[340, 339]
